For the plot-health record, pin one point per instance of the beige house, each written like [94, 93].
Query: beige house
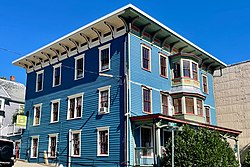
[232, 98]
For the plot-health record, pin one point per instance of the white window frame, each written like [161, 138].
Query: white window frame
[209, 108]
[34, 110]
[151, 100]
[31, 148]
[2, 101]
[98, 141]
[105, 88]
[203, 75]
[163, 55]
[60, 78]
[100, 50]
[49, 149]
[38, 73]
[71, 97]
[150, 50]
[151, 142]
[80, 140]
[190, 69]
[51, 111]
[82, 56]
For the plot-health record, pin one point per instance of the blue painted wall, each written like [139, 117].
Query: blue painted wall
[90, 119]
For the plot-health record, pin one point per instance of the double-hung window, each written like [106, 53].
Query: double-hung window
[146, 56]
[147, 100]
[52, 145]
[39, 80]
[34, 146]
[195, 71]
[103, 141]
[207, 114]
[104, 58]
[104, 100]
[199, 107]
[204, 84]
[76, 143]
[186, 68]
[75, 103]
[189, 105]
[37, 114]
[55, 107]
[177, 105]
[164, 104]
[56, 75]
[163, 65]
[146, 141]
[177, 69]
[79, 67]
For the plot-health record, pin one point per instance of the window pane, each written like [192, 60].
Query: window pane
[78, 106]
[71, 108]
[164, 104]
[55, 111]
[57, 76]
[146, 100]
[105, 59]
[79, 67]
[52, 146]
[39, 81]
[35, 146]
[146, 59]
[177, 72]
[76, 144]
[177, 106]
[163, 66]
[186, 68]
[194, 67]
[199, 107]
[104, 98]
[37, 115]
[207, 115]
[189, 105]
[103, 142]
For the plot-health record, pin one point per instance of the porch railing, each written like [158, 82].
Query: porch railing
[144, 156]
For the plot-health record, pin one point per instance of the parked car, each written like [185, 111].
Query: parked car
[6, 153]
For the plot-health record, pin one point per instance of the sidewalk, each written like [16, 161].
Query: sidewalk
[20, 163]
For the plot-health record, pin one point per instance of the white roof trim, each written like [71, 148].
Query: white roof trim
[116, 12]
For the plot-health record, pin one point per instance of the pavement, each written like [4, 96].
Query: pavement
[20, 163]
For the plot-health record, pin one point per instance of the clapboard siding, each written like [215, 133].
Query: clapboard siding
[90, 119]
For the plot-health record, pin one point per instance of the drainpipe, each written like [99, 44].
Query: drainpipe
[69, 156]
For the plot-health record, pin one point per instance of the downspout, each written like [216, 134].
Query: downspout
[69, 151]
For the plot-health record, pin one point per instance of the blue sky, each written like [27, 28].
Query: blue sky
[220, 27]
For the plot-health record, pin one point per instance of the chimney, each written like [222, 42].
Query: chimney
[12, 78]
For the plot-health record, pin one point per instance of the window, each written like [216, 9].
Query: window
[104, 100]
[55, 106]
[177, 106]
[103, 141]
[146, 137]
[37, 114]
[75, 106]
[207, 114]
[34, 147]
[199, 107]
[145, 50]
[204, 84]
[39, 81]
[104, 58]
[79, 67]
[52, 145]
[177, 71]
[195, 71]
[2, 104]
[146, 100]
[186, 68]
[76, 143]
[57, 75]
[164, 103]
[189, 105]
[163, 66]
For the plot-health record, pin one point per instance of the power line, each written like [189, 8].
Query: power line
[11, 51]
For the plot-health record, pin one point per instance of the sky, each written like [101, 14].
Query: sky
[220, 27]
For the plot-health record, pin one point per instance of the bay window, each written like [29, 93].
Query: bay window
[189, 105]
[199, 107]
[177, 105]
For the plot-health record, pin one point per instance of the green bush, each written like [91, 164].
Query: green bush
[199, 147]
[246, 162]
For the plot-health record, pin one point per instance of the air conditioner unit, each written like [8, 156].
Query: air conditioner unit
[103, 110]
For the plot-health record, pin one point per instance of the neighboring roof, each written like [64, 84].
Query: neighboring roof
[104, 25]
[12, 90]
[238, 63]
[185, 121]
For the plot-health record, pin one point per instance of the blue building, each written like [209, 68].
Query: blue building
[108, 93]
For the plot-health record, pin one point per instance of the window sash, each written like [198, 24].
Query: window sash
[37, 115]
[146, 137]
[34, 147]
[146, 100]
[105, 59]
[199, 107]
[76, 143]
[163, 62]
[57, 75]
[39, 81]
[79, 68]
[103, 142]
[189, 105]
[52, 146]
[207, 115]
[104, 98]
[195, 71]
[164, 104]
[186, 68]
[145, 58]
[177, 71]
[177, 106]
[204, 81]
[55, 111]
[75, 107]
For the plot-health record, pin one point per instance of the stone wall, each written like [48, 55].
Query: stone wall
[232, 99]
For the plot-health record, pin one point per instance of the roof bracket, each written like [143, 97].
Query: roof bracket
[112, 28]
[172, 45]
[165, 40]
[144, 28]
[75, 43]
[210, 65]
[47, 55]
[180, 50]
[66, 48]
[87, 39]
[203, 61]
[154, 35]
[57, 52]
[32, 62]
[124, 22]
[191, 51]
[99, 34]
[24, 65]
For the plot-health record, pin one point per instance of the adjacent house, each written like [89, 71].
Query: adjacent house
[12, 95]
[111, 92]
[232, 97]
